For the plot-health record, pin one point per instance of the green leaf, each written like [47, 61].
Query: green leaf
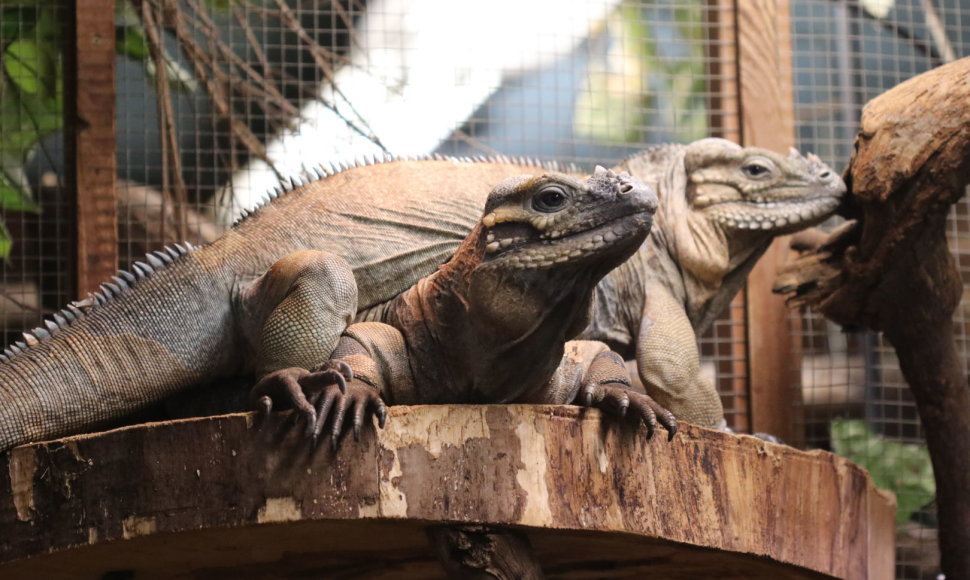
[6, 243]
[131, 42]
[14, 20]
[23, 62]
[13, 194]
[903, 468]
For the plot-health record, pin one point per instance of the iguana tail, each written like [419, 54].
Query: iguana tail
[119, 350]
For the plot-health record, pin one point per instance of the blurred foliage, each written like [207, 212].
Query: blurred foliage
[31, 97]
[902, 468]
[130, 41]
[32, 88]
[653, 75]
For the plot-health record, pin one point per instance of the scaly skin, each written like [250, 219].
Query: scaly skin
[205, 317]
[493, 324]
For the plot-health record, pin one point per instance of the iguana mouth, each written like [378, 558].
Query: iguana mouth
[772, 215]
[520, 246]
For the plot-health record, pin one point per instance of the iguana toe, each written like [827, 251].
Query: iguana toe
[283, 388]
[356, 402]
[607, 387]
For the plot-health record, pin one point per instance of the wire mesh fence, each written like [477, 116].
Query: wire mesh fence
[216, 101]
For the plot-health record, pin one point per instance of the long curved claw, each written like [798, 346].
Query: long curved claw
[381, 413]
[335, 372]
[630, 405]
[327, 399]
[667, 419]
[338, 421]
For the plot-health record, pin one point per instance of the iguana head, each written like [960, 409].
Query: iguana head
[554, 220]
[747, 188]
[527, 273]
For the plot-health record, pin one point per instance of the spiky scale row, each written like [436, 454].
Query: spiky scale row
[119, 283]
[322, 171]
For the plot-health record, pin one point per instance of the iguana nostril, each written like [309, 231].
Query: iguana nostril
[626, 188]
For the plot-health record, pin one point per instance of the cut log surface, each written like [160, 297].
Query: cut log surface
[237, 497]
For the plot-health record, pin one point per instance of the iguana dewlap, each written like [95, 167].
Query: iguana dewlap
[492, 325]
[191, 317]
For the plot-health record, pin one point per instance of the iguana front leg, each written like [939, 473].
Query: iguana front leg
[293, 316]
[669, 364]
[592, 375]
[294, 313]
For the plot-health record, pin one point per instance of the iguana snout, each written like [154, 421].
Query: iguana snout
[541, 221]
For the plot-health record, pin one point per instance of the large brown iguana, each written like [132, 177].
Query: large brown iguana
[492, 324]
[196, 316]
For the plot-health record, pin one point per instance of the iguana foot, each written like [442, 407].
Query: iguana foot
[329, 391]
[357, 399]
[606, 386]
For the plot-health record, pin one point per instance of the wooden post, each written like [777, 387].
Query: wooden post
[90, 138]
[768, 120]
[725, 121]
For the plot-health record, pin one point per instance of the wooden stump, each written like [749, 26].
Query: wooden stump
[228, 497]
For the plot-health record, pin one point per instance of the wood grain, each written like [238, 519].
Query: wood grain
[209, 498]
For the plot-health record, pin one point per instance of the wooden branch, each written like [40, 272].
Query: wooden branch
[173, 179]
[229, 497]
[894, 273]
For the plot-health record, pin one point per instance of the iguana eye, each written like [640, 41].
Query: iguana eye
[755, 169]
[552, 198]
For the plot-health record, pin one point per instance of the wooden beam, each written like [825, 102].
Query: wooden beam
[90, 139]
[768, 121]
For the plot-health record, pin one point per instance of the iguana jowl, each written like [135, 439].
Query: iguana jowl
[193, 317]
[492, 324]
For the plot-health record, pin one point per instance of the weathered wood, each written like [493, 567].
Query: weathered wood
[210, 497]
[894, 273]
[90, 139]
[768, 120]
